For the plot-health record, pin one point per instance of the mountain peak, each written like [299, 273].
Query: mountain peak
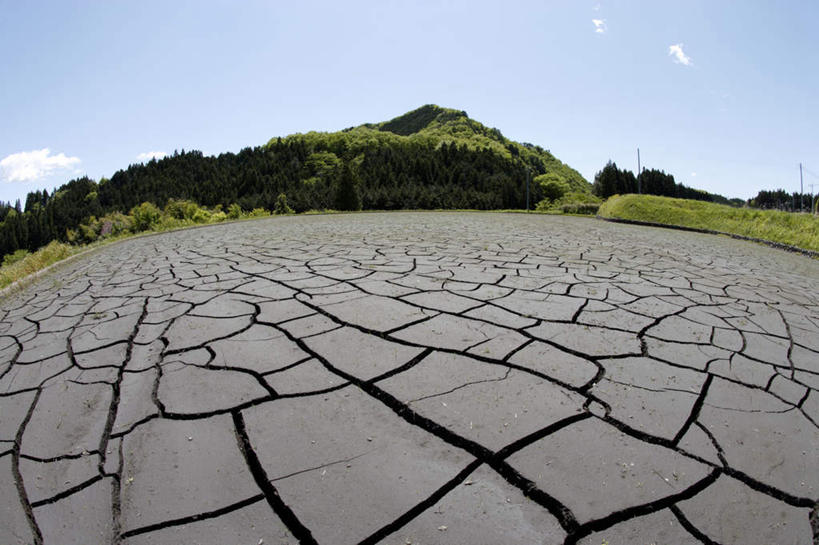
[420, 119]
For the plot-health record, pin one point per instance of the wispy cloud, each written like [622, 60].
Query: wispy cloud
[600, 26]
[148, 155]
[680, 57]
[29, 166]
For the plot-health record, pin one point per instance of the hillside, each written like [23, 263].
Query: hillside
[428, 158]
[796, 230]
[446, 125]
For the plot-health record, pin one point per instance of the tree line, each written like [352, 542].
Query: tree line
[780, 199]
[613, 181]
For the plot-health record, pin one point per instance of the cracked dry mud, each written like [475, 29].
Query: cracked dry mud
[413, 378]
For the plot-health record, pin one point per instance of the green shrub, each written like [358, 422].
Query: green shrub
[234, 211]
[281, 205]
[543, 205]
[258, 212]
[181, 209]
[89, 232]
[201, 216]
[145, 217]
[580, 208]
[114, 224]
[13, 258]
[218, 216]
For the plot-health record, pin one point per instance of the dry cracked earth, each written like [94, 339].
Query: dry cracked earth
[405, 378]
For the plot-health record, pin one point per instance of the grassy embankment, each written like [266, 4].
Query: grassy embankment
[22, 264]
[799, 230]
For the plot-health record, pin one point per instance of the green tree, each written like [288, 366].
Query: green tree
[347, 193]
[552, 186]
[605, 181]
[281, 205]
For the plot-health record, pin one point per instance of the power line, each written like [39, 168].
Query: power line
[811, 173]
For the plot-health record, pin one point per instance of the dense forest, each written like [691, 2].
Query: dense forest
[782, 200]
[429, 158]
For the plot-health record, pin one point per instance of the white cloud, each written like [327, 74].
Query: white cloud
[29, 166]
[148, 155]
[693, 174]
[679, 56]
[600, 25]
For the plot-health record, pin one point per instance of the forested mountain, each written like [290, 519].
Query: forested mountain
[431, 157]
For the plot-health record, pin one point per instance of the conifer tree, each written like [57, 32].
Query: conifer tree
[347, 194]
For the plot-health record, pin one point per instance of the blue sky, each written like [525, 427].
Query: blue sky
[724, 95]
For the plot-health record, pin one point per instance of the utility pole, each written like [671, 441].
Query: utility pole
[639, 188]
[802, 191]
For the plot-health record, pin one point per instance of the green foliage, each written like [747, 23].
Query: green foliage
[145, 216]
[33, 262]
[88, 233]
[234, 211]
[13, 258]
[115, 224]
[552, 186]
[322, 164]
[543, 205]
[281, 205]
[573, 202]
[201, 216]
[347, 194]
[613, 181]
[181, 209]
[218, 217]
[258, 213]
[586, 208]
[782, 200]
[800, 230]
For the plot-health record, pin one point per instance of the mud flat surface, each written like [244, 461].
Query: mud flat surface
[413, 378]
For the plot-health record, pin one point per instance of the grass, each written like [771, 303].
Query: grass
[799, 230]
[33, 262]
